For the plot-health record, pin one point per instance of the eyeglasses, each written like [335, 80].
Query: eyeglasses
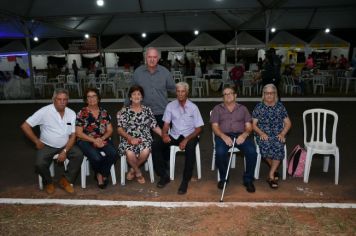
[227, 94]
[269, 93]
[92, 96]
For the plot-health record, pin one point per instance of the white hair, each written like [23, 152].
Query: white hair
[185, 85]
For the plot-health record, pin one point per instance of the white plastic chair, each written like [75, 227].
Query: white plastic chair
[318, 82]
[258, 162]
[173, 150]
[72, 84]
[85, 171]
[320, 137]
[148, 167]
[247, 86]
[51, 170]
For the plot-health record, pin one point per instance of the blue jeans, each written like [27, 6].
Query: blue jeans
[100, 164]
[222, 158]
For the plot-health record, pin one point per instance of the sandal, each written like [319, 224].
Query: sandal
[131, 174]
[272, 183]
[140, 178]
[276, 176]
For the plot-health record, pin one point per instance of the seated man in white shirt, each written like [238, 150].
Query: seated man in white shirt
[57, 126]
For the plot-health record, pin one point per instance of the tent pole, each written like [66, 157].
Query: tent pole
[267, 18]
[28, 48]
[100, 54]
[235, 47]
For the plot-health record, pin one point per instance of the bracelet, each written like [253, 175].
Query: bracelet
[64, 150]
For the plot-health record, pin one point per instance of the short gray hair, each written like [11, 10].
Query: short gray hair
[59, 91]
[273, 87]
[152, 48]
[185, 85]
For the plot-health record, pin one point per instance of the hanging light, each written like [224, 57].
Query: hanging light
[273, 29]
[143, 35]
[86, 36]
[35, 38]
[100, 3]
[196, 32]
[327, 30]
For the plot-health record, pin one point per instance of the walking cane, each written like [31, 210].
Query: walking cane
[228, 169]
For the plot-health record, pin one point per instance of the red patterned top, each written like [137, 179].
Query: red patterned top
[92, 126]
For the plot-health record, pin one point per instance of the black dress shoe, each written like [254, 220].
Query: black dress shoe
[250, 187]
[163, 182]
[183, 188]
[106, 181]
[221, 184]
[101, 186]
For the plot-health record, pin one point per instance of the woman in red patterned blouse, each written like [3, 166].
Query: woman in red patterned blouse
[94, 130]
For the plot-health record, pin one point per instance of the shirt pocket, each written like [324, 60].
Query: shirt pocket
[69, 127]
[188, 118]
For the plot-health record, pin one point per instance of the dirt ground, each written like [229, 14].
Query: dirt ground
[66, 220]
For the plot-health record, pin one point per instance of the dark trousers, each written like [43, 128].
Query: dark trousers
[44, 158]
[222, 159]
[160, 152]
[189, 157]
[100, 164]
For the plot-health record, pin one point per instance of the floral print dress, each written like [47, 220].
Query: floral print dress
[137, 125]
[271, 121]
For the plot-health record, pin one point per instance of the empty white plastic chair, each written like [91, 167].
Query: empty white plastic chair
[320, 137]
[72, 84]
[148, 166]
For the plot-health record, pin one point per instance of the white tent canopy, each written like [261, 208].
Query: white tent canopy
[50, 47]
[204, 42]
[284, 39]
[166, 43]
[125, 44]
[13, 48]
[323, 40]
[245, 40]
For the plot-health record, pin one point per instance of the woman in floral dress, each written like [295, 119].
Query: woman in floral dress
[94, 130]
[134, 125]
[271, 123]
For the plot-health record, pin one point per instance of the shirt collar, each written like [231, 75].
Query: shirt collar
[237, 105]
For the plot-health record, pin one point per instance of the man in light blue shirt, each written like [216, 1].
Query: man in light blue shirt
[186, 123]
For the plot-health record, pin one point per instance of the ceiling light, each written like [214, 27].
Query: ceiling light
[327, 30]
[35, 38]
[273, 29]
[196, 32]
[143, 35]
[86, 36]
[100, 3]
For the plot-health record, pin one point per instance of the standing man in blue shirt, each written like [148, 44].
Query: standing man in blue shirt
[156, 81]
